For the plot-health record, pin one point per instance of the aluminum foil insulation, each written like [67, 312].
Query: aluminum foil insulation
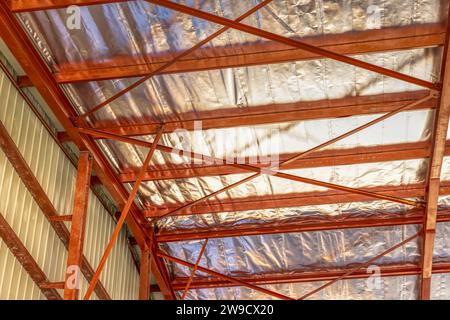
[137, 32]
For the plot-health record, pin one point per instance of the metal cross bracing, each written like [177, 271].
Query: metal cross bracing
[267, 171]
[277, 173]
[81, 135]
[278, 295]
[170, 63]
[23, 50]
[259, 115]
[200, 255]
[245, 180]
[153, 147]
[123, 216]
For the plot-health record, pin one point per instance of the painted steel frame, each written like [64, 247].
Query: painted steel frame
[15, 37]
[78, 226]
[30, 60]
[37, 192]
[352, 43]
[440, 129]
[278, 295]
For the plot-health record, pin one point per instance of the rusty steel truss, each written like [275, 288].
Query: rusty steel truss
[142, 223]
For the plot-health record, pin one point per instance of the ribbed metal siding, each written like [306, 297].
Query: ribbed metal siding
[57, 176]
[15, 283]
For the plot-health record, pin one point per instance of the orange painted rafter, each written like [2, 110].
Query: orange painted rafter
[251, 168]
[260, 53]
[276, 113]
[293, 43]
[293, 159]
[331, 157]
[291, 200]
[223, 277]
[78, 226]
[301, 224]
[360, 266]
[439, 136]
[123, 217]
[179, 56]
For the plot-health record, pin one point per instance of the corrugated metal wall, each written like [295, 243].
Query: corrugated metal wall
[15, 283]
[57, 176]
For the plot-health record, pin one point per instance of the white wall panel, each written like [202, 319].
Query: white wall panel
[57, 177]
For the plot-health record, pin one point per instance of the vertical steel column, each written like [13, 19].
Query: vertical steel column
[144, 276]
[77, 230]
[434, 171]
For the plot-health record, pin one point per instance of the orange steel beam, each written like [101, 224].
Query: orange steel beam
[258, 53]
[293, 200]
[276, 113]
[434, 173]
[144, 276]
[23, 50]
[35, 5]
[301, 224]
[78, 226]
[38, 193]
[168, 64]
[308, 275]
[123, 216]
[354, 131]
[31, 62]
[293, 43]
[330, 157]
[312, 181]
[188, 284]
[27, 261]
[224, 277]
[361, 266]
[287, 176]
